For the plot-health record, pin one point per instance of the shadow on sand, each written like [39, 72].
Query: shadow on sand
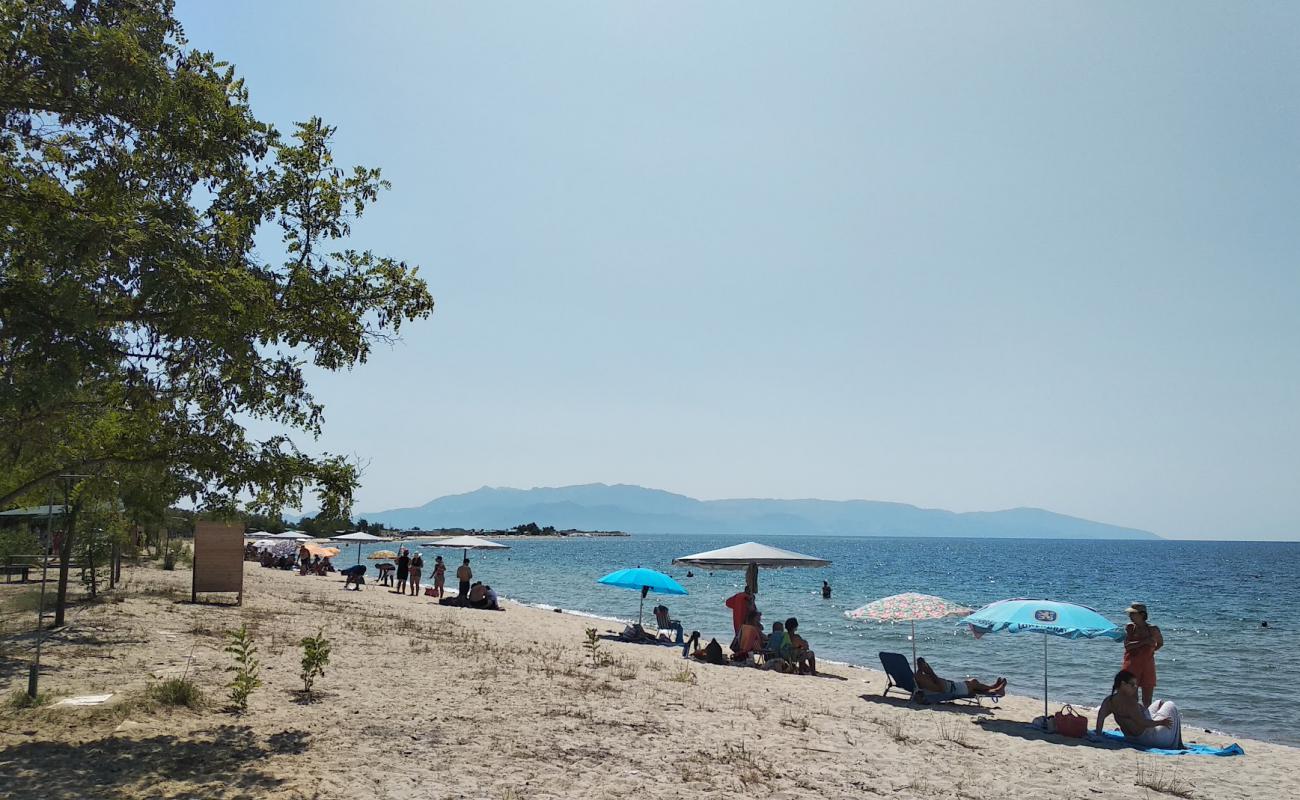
[226, 762]
[1023, 730]
[955, 708]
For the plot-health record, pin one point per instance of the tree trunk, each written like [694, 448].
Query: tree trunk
[65, 555]
[90, 559]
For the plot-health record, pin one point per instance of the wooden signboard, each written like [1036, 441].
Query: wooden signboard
[218, 558]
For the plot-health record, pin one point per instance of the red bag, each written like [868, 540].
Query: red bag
[1070, 722]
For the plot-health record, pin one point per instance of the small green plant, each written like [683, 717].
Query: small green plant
[19, 698]
[177, 692]
[896, 730]
[1159, 780]
[315, 657]
[592, 646]
[246, 668]
[684, 674]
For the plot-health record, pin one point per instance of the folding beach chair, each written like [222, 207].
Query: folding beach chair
[898, 674]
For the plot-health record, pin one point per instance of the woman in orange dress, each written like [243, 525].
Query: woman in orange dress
[1141, 641]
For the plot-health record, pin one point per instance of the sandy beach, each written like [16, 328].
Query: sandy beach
[424, 701]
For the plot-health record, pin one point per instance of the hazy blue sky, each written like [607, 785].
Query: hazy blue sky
[969, 256]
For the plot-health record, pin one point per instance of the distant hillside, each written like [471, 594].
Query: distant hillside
[597, 506]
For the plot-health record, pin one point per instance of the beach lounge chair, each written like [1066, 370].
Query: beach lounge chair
[898, 674]
[898, 671]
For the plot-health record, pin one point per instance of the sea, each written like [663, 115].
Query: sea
[1226, 670]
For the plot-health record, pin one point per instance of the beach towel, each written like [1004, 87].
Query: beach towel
[1117, 737]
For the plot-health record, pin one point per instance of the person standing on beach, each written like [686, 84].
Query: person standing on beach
[413, 577]
[403, 567]
[439, 576]
[464, 574]
[1141, 641]
[742, 605]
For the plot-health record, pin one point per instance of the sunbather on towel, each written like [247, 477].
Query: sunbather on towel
[1158, 725]
[928, 681]
[636, 633]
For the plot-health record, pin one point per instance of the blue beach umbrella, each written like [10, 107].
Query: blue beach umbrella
[643, 581]
[1048, 617]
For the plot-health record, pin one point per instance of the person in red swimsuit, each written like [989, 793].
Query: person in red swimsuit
[1141, 641]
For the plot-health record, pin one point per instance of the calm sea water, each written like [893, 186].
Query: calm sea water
[1225, 671]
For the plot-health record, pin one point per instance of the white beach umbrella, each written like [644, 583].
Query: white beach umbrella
[467, 543]
[749, 557]
[359, 538]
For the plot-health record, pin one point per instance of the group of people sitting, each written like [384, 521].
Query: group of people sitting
[305, 562]
[313, 565]
[267, 559]
[781, 649]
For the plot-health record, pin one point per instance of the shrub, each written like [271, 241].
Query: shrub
[177, 692]
[19, 698]
[315, 657]
[246, 667]
[592, 646]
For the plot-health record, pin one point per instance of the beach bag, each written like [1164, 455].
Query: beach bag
[713, 653]
[1070, 722]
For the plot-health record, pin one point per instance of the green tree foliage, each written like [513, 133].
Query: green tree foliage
[139, 326]
[18, 541]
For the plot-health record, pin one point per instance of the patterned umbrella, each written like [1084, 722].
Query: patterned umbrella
[908, 607]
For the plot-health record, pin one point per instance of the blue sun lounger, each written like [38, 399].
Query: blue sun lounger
[898, 671]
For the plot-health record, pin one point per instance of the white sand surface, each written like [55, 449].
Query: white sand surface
[424, 701]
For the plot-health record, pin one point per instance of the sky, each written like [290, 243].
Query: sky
[965, 256]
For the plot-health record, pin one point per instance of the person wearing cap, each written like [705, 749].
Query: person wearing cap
[1141, 641]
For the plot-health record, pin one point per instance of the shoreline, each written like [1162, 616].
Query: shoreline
[880, 675]
[429, 701]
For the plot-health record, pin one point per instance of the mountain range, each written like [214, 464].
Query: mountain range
[636, 509]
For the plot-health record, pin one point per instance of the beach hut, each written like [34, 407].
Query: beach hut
[750, 556]
[1048, 617]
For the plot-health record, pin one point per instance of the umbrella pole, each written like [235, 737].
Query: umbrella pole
[913, 645]
[640, 612]
[1044, 678]
[358, 552]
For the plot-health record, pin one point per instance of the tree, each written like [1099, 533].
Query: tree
[139, 326]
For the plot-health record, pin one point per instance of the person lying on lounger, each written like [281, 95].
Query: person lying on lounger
[928, 681]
